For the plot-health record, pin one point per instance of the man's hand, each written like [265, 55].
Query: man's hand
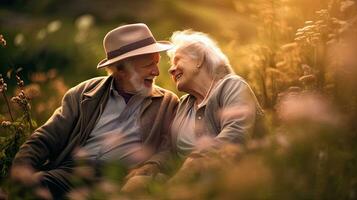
[150, 169]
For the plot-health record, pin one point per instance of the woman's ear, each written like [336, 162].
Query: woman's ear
[200, 59]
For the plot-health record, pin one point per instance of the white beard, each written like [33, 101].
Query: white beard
[139, 86]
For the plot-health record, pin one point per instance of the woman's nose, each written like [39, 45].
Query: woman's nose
[172, 69]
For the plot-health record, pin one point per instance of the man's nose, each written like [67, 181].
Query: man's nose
[155, 71]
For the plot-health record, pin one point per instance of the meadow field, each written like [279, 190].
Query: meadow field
[299, 56]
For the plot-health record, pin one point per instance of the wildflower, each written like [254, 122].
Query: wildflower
[306, 69]
[308, 28]
[41, 107]
[300, 30]
[300, 38]
[84, 171]
[309, 22]
[324, 26]
[19, 81]
[299, 33]
[5, 124]
[39, 77]
[231, 151]
[80, 154]
[204, 142]
[3, 85]
[331, 42]
[84, 22]
[108, 187]
[22, 101]
[143, 154]
[289, 46]
[3, 195]
[59, 86]
[52, 73]
[2, 40]
[247, 176]
[294, 89]
[43, 193]
[282, 140]
[346, 5]
[316, 34]
[41, 34]
[306, 106]
[280, 64]
[79, 193]
[3, 88]
[32, 91]
[307, 79]
[256, 144]
[19, 39]
[54, 26]
[331, 35]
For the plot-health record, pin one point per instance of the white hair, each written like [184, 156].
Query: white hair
[112, 68]
[196, 44]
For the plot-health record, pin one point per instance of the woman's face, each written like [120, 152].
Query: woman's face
[183, 71]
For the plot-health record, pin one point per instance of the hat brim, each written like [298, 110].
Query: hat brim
[153, 48]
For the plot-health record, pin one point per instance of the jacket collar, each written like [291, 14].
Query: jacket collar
[156, 92]
[105, 84]
[98, 89]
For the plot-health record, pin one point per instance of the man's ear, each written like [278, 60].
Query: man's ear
[122, 67]
[119, 74]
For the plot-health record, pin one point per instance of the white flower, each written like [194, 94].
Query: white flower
[54, 26]
[84, 22]
[19, 39]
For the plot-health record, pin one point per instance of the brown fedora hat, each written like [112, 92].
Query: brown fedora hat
[130, 40]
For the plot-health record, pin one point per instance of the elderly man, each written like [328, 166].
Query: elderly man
[123, 117]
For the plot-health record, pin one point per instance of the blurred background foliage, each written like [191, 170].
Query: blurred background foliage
[299, 56]
[64, 38]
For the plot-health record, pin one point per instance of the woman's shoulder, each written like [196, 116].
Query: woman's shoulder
[231, 82]
[233, 79]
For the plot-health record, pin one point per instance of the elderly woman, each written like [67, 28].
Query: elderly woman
[219, 108]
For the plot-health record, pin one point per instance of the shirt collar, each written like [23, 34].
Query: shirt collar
[112, 90]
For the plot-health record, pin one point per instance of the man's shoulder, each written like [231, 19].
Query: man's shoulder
[92, 82]
[89, 84]
[164, 92]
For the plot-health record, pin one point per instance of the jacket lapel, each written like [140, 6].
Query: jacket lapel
[92, 106]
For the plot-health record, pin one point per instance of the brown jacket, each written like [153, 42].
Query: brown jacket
[71, 124]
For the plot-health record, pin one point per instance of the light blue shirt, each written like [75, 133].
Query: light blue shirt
[116, 135]
[186, 137]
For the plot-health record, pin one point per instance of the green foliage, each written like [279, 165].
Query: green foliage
[14, 132]
[305, 80]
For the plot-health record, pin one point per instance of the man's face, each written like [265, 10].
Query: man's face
[139, 74]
